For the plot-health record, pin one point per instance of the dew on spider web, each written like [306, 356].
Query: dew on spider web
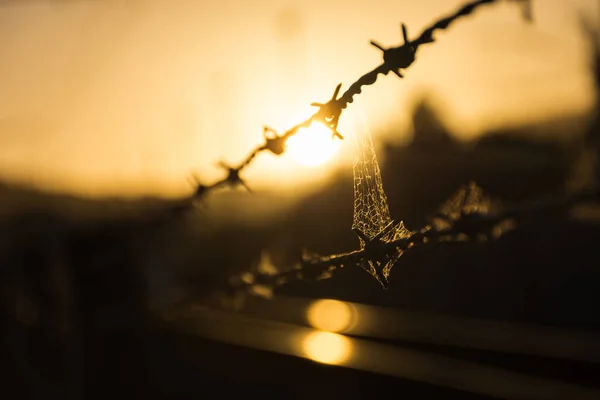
[371, 211]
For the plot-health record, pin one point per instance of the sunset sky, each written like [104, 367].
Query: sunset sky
[126, 98]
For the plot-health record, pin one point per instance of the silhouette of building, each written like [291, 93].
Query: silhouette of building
[586, 169]
[428, 129]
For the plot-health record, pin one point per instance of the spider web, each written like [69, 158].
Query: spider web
[468, 199]
[371, 211]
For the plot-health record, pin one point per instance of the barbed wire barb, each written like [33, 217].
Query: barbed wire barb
[329, 113]
[395, 59]
[381, 248]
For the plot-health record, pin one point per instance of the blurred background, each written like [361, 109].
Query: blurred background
[103, 98]
[106, 107]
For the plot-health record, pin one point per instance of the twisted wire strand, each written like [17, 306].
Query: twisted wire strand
[330, 112]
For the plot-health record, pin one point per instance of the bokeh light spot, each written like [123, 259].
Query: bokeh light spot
[327, 347]
[331, 315]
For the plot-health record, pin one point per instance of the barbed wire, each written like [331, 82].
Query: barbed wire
[395, 59]
[466, 223]
[262, 280]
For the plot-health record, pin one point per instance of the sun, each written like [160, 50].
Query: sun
[312, 146]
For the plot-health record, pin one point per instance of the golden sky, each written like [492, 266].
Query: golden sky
[125, 98]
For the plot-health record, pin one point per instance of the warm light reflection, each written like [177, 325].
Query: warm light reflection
[327, 347]
[331, 315]
[312, 146]
[103, 135]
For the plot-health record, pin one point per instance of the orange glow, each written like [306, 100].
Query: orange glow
[327, 347]
[126, 101]
[331, 315]
[312, 146]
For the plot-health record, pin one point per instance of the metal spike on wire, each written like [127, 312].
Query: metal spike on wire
[329, 113]
[199, 188]
[401, 57]
[378, 252]
[233, 178]
[273, 142]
